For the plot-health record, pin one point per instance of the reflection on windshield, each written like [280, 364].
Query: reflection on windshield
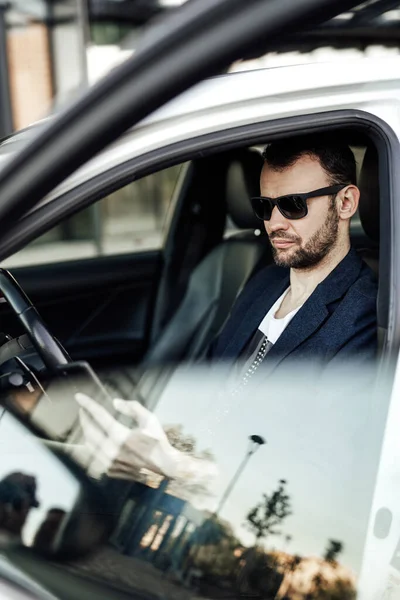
[17, 498]
[279, 504]
[35, 492]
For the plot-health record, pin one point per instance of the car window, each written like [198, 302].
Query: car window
[129, 220]
[281, 509]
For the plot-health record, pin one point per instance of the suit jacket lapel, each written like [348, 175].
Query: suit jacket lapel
[303, 325]
[309, 318]
[314, 311]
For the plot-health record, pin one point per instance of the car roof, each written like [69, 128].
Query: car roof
[239, 98]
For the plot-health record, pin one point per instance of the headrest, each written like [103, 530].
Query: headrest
[369, 194]
[243, 182]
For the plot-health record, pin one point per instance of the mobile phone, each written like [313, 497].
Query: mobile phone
[56, 412]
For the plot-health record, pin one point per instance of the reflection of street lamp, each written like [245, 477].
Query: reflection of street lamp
[255, 442]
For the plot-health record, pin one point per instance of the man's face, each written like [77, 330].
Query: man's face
[302, 243]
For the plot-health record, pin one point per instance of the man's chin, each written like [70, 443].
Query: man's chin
[296, 260]
[283, 257]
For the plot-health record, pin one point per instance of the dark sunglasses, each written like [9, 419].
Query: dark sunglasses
[291, 206]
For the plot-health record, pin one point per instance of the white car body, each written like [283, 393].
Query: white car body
[243, 98]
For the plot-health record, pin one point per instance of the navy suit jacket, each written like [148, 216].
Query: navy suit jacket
[336, 322]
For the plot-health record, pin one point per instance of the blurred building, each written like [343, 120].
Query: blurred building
[44, 50]
[43, 57]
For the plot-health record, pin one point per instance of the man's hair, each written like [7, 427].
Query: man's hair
[334, 156]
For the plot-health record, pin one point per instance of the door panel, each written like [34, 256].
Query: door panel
[98, 308]
[94, 276]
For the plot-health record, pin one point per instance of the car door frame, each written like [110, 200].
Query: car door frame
[380, 132]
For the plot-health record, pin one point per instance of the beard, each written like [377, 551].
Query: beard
[313, 251]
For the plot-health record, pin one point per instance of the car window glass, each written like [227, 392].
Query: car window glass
[129, 220]
[284, 506]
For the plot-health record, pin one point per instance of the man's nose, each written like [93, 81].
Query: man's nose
[276, 222]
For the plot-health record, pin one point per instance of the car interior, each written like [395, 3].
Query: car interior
[135, 317]
[217, 279]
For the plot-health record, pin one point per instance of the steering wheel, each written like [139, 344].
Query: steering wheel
[49, 349]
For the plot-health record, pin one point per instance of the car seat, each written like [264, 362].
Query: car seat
[366, 237]
[365, 230]
[220, 276]
[213, 285]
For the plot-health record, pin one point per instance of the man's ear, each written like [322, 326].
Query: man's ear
[347, 201]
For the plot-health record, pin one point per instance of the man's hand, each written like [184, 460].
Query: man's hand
[120, 451]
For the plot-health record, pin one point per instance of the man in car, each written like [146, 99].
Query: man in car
[319, 299]
[317, 302]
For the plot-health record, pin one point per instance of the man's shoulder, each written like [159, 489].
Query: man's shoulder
[366, 284]
[359, 300]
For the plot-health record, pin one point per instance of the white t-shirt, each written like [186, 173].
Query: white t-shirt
[272, 327]
[260, 344]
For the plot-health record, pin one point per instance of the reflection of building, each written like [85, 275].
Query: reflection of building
[154, 524]
[170, 533]
[43, 60]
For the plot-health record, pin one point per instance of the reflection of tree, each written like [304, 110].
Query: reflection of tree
[292, 563]
[341, 589]
[319, 584]
[187, 444]
[212, 531]
[329, 582]
[270, 512]
[290, 567]
[215, 545]
[259, 573]
[274, 574]
[333, 550]
[337, 589]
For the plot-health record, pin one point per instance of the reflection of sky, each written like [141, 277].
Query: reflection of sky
[20, 452]
[324, 440]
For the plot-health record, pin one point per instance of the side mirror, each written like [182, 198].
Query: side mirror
[46, 502]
